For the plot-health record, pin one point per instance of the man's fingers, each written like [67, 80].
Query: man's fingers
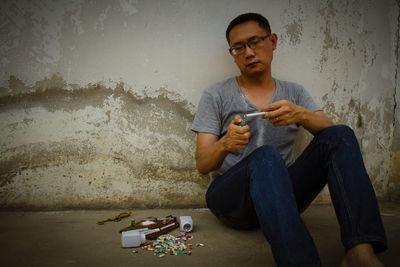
[237, 143]
[243, 129]
[274, 106]
[239, 147]
[237, 120]
[241, 140]
[271, 114]
[282, 120]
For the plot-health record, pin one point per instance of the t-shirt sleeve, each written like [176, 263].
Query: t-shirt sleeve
[304, 99]
[207, 118]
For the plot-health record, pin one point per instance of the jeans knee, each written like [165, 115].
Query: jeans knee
[266, 164]
[265, 153]
[338, 133]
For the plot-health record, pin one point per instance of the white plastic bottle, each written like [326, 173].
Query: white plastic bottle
[186, 223]
[133, 238]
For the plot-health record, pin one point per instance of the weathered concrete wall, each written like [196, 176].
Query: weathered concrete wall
[394, 173]
[97, 97]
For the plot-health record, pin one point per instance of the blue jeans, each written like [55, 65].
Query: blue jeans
[261, 191]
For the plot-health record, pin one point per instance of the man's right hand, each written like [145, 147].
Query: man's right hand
[237, 137]
[210, 152]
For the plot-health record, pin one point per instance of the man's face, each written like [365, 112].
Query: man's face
[252, 61]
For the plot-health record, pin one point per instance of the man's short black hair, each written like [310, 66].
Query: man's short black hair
[260, 19]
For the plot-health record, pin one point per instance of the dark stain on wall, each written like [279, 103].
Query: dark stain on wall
[53, 95]
[162, 161]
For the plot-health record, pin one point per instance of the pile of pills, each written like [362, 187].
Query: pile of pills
[169, 244]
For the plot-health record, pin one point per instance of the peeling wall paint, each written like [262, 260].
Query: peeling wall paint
[96, 147]
[352, 55]
[97, 97]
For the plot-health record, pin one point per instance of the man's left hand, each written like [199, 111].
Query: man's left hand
[283, 112]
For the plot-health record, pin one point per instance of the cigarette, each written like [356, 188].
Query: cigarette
[254, 114]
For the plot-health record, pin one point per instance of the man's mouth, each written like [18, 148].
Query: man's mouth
[252, 64]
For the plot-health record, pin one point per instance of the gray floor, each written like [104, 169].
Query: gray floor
[72, 238]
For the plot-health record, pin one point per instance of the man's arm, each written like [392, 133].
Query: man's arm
[284, 112]
[211, 152]
[315, 121]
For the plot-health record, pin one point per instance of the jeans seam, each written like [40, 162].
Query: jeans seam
[339, 180]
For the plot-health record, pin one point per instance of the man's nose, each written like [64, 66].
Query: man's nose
[248, 51]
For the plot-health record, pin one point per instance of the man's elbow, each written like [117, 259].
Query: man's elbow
[201, 168]
[328, 123]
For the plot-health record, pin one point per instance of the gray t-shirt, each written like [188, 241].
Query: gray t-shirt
[222, 101]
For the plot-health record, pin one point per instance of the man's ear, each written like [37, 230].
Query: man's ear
[274, 40]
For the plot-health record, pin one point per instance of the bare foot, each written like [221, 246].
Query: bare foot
[362, 255]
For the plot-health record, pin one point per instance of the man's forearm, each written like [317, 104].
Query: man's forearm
[315, 122]
[211, 151]
[210, 158]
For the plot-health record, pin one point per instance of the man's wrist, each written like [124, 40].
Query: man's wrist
[222, 145]
[304, 115]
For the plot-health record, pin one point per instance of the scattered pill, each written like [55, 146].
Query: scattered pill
[169, 244]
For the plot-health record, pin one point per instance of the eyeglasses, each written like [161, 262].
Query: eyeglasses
[253, 43]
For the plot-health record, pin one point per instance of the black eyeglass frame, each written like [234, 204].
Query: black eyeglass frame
[232, 49]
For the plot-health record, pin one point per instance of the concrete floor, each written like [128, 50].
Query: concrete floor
[72, 238]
